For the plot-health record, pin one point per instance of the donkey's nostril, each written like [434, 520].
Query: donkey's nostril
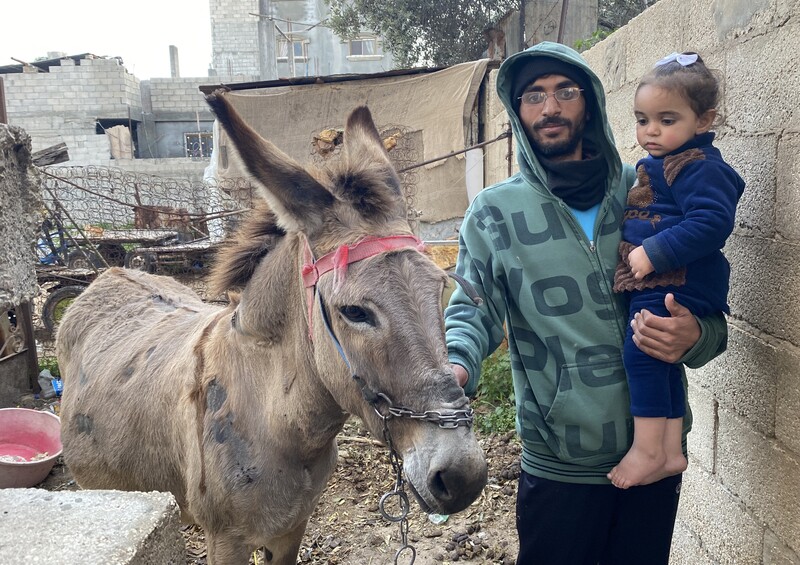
[437, 484]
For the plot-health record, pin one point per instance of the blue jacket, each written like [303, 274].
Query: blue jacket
[681, 211]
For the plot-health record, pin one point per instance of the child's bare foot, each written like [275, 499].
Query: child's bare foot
[636, 467]
[675, 465]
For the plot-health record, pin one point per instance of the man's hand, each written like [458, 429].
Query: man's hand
[461, 375]
[666, 338]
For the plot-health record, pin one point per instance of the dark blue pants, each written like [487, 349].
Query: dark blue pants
[574, 524]
[656, 387]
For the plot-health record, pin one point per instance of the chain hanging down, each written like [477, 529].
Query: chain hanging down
[402, 498]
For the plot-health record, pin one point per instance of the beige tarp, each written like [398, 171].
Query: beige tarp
[434, 109]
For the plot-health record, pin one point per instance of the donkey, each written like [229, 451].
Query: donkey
[235, 409]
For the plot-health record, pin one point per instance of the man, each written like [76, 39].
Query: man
[541, 248]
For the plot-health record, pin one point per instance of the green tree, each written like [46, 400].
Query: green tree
[446, 32]
[420, 32]
[613, 14]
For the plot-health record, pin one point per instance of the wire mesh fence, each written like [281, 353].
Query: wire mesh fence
[100, 217]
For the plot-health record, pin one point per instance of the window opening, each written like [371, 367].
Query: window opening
[198, 145]
[364, 47]
[300, 49]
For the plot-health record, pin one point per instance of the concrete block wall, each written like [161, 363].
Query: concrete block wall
[100, 88]
[171, 94]
[64, 104]
[740, 500]
[234, 37]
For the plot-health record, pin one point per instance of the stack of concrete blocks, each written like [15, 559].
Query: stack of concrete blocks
[740, 501]
[234, 37]
[64, 104]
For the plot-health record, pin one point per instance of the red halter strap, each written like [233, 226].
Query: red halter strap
[338, 260]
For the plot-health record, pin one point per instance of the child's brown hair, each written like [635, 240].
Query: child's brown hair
[687, 75]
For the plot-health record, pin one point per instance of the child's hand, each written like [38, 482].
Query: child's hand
[640, 263]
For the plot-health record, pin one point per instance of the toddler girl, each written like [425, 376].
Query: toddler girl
[679, 214]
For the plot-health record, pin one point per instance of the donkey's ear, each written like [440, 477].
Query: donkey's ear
[295, 197]
[370, 182]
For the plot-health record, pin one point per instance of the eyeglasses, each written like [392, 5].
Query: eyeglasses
[537, 97]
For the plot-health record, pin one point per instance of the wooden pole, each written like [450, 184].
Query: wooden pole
[563, 21]
[3, 115]
[268, 69]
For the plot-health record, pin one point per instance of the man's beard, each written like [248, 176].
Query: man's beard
[556, 148]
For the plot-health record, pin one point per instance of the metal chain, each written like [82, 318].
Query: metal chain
[449, 420]
[402, 498]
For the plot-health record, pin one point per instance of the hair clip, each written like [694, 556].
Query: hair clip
[684, 59]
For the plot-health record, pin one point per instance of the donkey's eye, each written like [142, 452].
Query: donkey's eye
[356, 315]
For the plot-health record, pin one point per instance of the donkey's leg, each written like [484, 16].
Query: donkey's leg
[226, 548]
[284, 548]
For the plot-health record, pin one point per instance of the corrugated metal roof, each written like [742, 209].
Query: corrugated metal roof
[44, 65]
[298, 81]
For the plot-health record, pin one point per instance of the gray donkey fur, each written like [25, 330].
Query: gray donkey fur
[235, 409]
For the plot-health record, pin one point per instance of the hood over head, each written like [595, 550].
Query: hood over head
[546, 58]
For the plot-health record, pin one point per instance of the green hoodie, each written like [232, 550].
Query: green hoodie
[550, 286]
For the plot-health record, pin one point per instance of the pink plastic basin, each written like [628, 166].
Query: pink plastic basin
[28, 433]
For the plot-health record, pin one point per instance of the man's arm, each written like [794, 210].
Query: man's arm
[680, 337]
[473, 330]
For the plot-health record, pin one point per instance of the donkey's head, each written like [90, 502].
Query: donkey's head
[369, 300]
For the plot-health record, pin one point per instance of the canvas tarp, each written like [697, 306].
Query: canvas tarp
[433, 109]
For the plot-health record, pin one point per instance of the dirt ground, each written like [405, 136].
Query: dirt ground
[348, 529]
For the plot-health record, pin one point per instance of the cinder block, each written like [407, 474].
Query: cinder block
[787, 409]
[763, 474]
[699, 28]
[751, 107]
[654, 33]
[787, 213]
[620, 115]
[765, 283]
[754, 158]
[745, 378]
[607, 60]
[719, 519]
[702, 438]
[686, 548]
[90, 527]
[734, 18]
[776, 552]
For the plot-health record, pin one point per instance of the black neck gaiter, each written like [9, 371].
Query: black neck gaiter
[580, 184]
